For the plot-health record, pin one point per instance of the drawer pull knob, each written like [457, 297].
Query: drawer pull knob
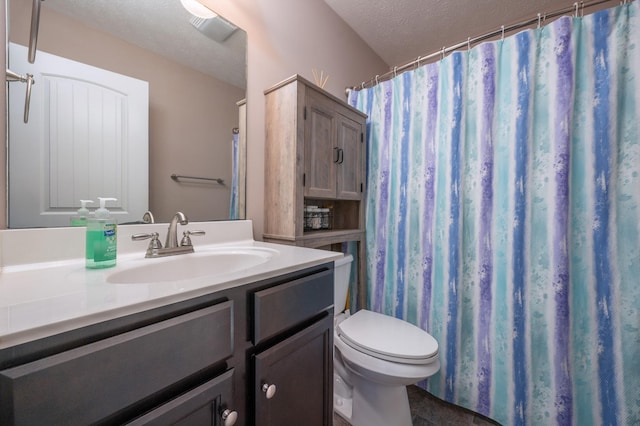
[229, 417]
[269, 390]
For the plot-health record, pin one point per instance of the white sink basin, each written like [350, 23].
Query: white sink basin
[194, 265]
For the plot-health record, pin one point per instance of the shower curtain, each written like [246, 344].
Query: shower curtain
[235, 164]
[503, 216]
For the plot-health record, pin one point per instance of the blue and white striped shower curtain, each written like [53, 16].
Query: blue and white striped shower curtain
[503, 216]
[235, 164]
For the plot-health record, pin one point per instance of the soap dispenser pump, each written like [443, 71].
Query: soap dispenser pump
[101, 242]
[80, 219]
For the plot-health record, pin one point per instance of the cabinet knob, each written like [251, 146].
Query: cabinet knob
[229, 417]
[269, 390]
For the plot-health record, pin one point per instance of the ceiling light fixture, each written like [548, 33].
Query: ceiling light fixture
[196, 8]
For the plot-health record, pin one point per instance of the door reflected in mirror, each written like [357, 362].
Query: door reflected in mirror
[78, 140]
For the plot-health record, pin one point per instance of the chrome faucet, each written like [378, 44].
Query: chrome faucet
[171, 246]
[172, 232]
[147, 217]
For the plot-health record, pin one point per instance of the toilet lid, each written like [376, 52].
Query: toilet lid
[388, 338]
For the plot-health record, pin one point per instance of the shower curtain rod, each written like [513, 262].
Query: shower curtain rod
[539, 19]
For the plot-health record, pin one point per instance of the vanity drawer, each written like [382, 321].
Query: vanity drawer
[278, 308]
[89, 383]
[200, 406]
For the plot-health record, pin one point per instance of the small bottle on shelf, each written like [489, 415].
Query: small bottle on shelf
[324, 214]
[312, 218]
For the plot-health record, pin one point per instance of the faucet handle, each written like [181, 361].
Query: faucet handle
[140, 237]
[186, 240]
[154, 244]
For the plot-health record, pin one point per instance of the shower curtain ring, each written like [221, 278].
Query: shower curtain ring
[418, 61]
[582, 8]
[539, 18]
[377, 82]
[576, 12]
[468, 43]
[442, 52]
[502, 33]
[395, 72]
[363, 85]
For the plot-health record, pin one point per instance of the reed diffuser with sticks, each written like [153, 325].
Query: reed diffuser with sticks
[320, 78]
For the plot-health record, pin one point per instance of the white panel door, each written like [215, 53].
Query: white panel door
[87, 137]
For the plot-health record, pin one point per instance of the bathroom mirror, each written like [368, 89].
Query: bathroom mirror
[195, 71]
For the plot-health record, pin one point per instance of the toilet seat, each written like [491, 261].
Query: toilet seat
[388, 338]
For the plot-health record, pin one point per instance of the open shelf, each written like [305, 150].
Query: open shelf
[344, 215]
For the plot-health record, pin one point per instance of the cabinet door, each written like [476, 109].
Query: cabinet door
[203, 405]
[301, 369]
[320, 150]
[350, 159]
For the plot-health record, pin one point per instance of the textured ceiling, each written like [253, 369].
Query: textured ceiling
[401, 30]
[163, 27]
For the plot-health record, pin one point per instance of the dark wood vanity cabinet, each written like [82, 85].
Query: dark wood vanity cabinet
[194, 362]
[297, 369]
[293, 374]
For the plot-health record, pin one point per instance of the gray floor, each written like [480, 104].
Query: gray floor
[427, 410]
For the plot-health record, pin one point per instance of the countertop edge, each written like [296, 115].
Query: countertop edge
[51, 329]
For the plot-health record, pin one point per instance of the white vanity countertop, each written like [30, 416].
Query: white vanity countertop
[45, 288]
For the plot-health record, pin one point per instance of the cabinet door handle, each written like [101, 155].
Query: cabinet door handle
[336, 154]
[340, 156]
[229, 417]
[269, 390]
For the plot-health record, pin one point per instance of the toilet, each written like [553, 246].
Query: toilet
[375, 357]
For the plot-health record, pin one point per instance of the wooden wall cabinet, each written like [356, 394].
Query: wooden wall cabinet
[314, 155]
[333, 149]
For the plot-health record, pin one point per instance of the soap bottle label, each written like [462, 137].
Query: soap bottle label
[101, 248]
[110, 244]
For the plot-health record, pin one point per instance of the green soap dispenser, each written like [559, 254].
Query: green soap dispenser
[80, 219]
[102, 242]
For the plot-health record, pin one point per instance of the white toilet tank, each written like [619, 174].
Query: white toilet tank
[341, 275]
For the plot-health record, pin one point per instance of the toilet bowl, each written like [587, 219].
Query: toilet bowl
[375, 357]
